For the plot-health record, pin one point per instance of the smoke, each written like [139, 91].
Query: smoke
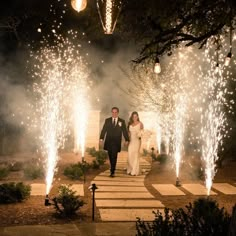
[108, 75]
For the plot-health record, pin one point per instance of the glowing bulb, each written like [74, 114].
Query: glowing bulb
[217, 68]
[109, 11]
[79, 5]
[228, 58]
[234, 37]
[157, 67]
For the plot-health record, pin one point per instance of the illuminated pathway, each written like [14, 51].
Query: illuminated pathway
[124, 197]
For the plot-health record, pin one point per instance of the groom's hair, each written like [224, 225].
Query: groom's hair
[115, 108]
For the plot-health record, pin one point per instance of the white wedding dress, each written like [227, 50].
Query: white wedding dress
[133, 150]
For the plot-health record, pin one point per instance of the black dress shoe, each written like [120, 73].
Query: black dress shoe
[112, 175]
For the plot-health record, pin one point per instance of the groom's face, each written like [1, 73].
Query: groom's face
[114, 113]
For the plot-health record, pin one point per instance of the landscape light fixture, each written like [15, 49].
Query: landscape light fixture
[157, 66]
[47, 201]
[93, 188]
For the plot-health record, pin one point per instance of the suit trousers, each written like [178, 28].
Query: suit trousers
[112, 153]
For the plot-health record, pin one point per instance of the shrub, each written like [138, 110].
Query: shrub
[33, 172]
[202, 218]
[16, 166]
[95, 164]
[162, 158]
[67, 203]
[197, 173]
[101, 157]
[75, 171]
[91, 151]
[14, 192]
[4, 171]
[145, 152]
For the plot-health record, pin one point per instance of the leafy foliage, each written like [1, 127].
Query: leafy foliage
[91, 151]
[16, 166]
[204, 217]
[33, 172]
[67, 203]
[171, 23]
[162, 158]
[74, 171]
[4, 171]
[100, 155]
[14, 192]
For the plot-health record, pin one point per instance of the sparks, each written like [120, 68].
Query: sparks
[61, 78]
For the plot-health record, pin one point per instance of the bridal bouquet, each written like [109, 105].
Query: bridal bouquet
[140, 133]
[144, 133]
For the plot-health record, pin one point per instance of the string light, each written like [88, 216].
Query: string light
[79, 5]
[109, 11]
[157, 66]
[229, 55]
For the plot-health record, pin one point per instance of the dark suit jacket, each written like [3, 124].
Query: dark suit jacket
[113, 135]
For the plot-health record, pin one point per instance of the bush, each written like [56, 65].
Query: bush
[197, 173]
[91, 151]
[202, 218]
[67, 203]
[33, 172]
[95, 164]
[14, 192]
[101, 157]
[145, 152]
[16, 166]
[162, 158]
[4, 171]
[75, 171]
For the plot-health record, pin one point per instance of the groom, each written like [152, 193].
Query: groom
[112, 131]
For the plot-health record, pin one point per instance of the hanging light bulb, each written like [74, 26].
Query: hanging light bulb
[79, 5]
[217, 69]
[109, 11]
[157, 66]
[228, 58]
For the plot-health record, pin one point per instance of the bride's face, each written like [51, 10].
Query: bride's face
[135, 118]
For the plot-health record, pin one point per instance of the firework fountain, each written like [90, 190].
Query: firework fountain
[80, 109]
[60, 79]
[178, 132]
[159, 133]
[213, 119]
[50, 107]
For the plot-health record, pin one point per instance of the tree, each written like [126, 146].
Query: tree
[161, 26]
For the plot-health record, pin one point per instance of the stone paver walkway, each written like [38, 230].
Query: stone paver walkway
[124, 197]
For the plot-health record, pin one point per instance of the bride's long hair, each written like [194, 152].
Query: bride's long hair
[131, 121]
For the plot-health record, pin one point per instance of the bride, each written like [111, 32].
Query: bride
[135, 128]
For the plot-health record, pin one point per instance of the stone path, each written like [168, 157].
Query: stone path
[124, 197]
[195, 189]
